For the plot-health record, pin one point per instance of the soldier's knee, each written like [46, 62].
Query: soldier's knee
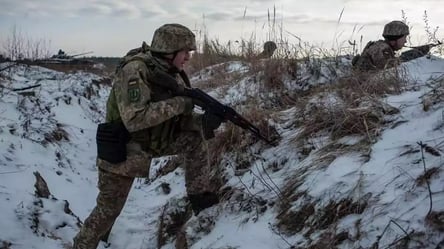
[111, 207]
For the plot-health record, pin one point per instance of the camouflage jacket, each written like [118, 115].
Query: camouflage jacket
[376, 55]
[379, 55]
[149, 112]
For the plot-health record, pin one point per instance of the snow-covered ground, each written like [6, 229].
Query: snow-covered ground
[50, 129]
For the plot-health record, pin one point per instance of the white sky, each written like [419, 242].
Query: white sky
[111, 28]
[387, 179]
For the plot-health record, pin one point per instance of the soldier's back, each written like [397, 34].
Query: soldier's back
[375, 56]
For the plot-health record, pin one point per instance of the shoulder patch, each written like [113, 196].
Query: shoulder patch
[133, 91]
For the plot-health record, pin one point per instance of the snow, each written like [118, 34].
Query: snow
[73, 105]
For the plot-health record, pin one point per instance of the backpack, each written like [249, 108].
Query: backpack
[144, 48]
[358, 56]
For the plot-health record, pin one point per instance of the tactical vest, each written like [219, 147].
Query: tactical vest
[154, 139]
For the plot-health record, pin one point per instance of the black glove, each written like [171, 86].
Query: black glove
[210, 122]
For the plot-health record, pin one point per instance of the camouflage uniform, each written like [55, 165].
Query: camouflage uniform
[376, 55]
[159, 124]
[380, 54]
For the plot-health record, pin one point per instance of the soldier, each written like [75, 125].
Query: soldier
[269, 48]
[153, 123]
[381, 54]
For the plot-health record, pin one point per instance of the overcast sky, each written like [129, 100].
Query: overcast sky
[112, 27]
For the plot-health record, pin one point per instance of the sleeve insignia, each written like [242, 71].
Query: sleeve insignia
[133, 91]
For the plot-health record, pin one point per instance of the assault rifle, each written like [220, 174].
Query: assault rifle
[417, 51]
[429, 46]
[210, 104]
[206, 102]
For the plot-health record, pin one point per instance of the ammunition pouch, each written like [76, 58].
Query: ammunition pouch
[111, 141]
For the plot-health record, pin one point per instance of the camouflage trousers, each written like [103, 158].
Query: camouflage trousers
[113, 192]
[115, 182]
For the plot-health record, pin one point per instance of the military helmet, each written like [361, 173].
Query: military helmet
[270, 46]
[395, 29]
[171, 38]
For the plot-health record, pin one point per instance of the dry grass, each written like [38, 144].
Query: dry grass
[292, 222]
[170, 223]
[56, 135]
[436, 220]
[329, 239]
[423, 179]
[259, 119]
[214, 52]
[274, 71]
[435, 95]
[374, 84]
[336, 210]
[286, 217]
[310, 218]
[216, 76]
[5, 244]
[351, 107]
[234, 138]
[340, 120]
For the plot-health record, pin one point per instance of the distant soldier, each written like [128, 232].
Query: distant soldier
[269, 48]
[145, 120]
[380, 54]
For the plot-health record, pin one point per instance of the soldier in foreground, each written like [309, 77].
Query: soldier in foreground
[380, 54]
[144, 119]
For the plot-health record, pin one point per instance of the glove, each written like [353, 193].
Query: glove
[210, 122]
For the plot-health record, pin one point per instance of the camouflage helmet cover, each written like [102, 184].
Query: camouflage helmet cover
[395, 28]
[171, 38]
[270, 46]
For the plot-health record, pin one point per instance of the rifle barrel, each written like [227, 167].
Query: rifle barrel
[431, 45]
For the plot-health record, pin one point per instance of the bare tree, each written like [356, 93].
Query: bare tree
[18, 47]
